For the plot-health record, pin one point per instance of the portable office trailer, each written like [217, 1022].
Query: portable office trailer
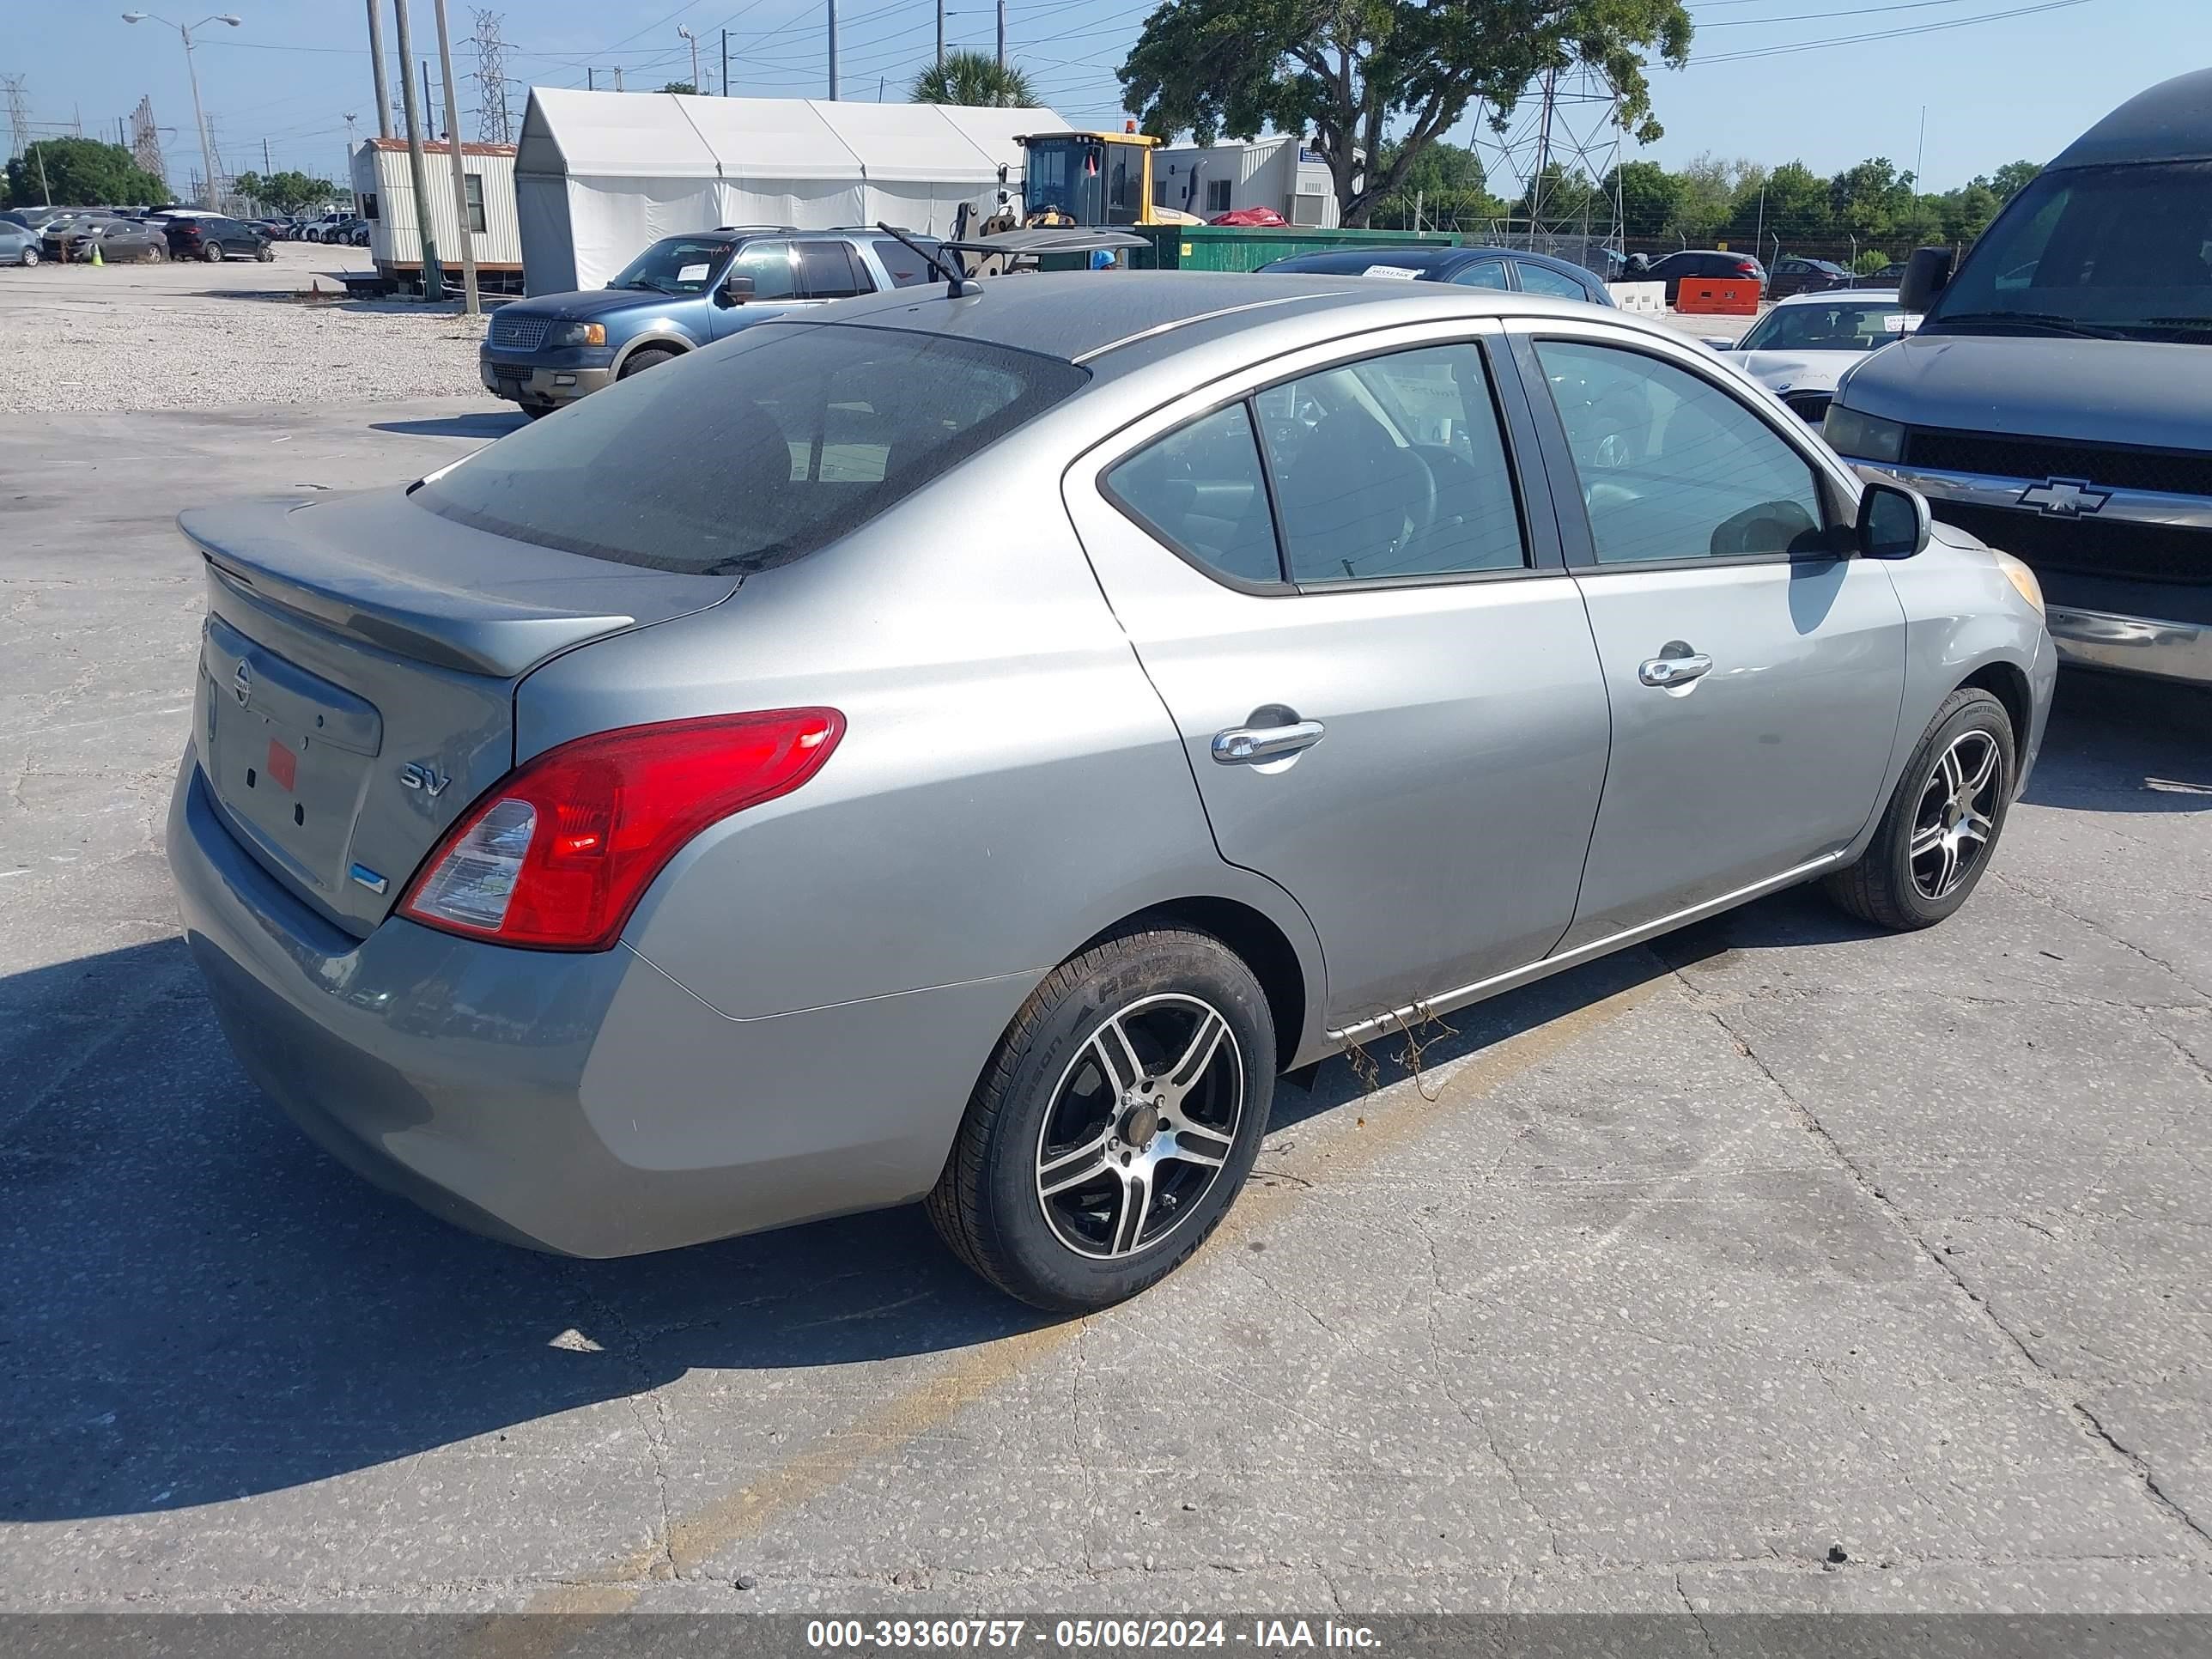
[599, 175]
[1272, 170]
[383, 194]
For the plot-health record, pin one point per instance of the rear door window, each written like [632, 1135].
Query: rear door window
[776, 443]
[828, 270]
[1392, 466]
[907, 268]
[1201, 490]
[1542, 279]
[1484, 273]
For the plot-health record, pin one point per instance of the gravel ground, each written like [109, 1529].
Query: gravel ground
[180, 336]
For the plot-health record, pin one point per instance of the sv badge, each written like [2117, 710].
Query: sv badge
[421, 775]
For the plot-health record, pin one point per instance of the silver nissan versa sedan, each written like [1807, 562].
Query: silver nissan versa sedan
[965, 746]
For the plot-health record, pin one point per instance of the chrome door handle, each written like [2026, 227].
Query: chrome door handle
[1675, 671]
[1243, 745]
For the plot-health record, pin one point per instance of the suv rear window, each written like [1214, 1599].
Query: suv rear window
[753, 453]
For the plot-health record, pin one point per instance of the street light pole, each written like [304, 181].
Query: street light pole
[191, 73]
[471, 304]
[418, 172]
[694, 40]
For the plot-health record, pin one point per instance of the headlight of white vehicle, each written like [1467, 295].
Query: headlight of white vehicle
[2020, 577]
[1862, 437]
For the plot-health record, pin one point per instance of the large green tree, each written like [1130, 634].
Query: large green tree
[973, 77]
[1648, 193]
[2010, 179]
[1446, 185]
[285, 192]
[81, 172]
[1351, 72]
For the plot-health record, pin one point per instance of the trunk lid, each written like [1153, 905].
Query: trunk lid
[357, 672]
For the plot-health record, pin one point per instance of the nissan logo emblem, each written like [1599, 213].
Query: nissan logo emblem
[241, 684]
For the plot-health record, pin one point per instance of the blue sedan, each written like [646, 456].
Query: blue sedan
[1508, 269]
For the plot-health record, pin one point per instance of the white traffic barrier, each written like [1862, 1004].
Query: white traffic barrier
[1639, 297]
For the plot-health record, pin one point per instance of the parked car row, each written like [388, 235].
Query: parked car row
[28, 236]
[347, 229]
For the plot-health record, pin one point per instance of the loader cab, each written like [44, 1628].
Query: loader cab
[1087, 179]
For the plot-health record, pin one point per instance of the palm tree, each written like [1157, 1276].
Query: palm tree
[973, 77]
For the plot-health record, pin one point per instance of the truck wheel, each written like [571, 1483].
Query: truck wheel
[1115, 1124]
[644, 358]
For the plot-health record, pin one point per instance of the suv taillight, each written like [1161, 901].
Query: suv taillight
[1745, 268]
[556, 855]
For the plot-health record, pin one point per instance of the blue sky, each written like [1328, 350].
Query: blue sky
[1995, 90]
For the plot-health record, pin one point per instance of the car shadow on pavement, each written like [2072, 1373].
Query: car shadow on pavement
[2121, 744]
[481, 424]
[195, 1303]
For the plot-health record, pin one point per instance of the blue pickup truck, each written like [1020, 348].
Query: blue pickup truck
[681, 293]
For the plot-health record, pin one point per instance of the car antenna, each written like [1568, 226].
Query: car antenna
[956, 281]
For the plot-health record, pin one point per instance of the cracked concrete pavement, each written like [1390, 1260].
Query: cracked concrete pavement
[1667, 1284]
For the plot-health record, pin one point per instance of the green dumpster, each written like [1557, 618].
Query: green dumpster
[1229, 247]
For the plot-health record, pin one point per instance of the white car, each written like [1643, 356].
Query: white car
[1801, 348]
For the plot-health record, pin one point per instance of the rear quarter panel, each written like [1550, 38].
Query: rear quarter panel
[1008, 786]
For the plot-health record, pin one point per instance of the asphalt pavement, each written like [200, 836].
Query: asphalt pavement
[1782, 1266]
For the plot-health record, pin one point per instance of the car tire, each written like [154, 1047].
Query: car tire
[265, 253]
[1961, 777]
[28, 257]
[212, 253]
[646, 358]
[1153, 1036]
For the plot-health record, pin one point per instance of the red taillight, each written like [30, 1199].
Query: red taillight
[1747, 268]
[557, 855]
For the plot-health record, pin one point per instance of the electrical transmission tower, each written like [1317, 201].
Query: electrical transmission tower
[146, 140]
[493, 126]
[19, 116]
[1557, 162]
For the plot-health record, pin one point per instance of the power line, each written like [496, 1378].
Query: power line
[1809, 16]
[1889, 34]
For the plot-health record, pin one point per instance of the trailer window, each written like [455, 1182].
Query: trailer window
[472, 187]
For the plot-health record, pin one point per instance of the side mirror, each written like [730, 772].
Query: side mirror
[1894, 521]
[1927, 274]
[735, 290]
[1720, 343]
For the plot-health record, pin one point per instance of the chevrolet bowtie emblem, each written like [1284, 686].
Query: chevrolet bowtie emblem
[2065, 498]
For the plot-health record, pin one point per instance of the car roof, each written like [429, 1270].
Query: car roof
[1114, 322]
[1828, 296]
[2169, 122]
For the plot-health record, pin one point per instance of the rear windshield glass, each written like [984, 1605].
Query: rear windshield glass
[753, 453]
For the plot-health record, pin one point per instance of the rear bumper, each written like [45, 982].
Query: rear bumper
[537, 384]
[579, 1103]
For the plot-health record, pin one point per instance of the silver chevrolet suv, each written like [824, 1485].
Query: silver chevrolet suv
[2057, 402]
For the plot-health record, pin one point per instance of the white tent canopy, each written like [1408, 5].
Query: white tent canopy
[598, 175]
